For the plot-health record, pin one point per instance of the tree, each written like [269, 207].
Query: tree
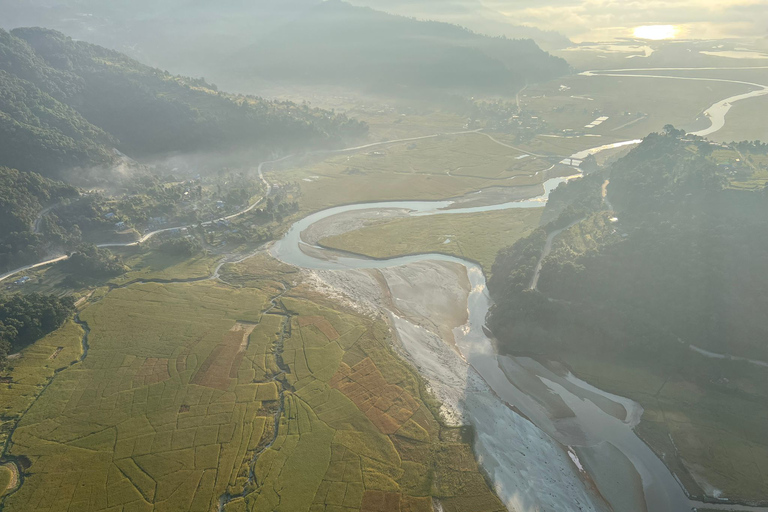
[26, 319]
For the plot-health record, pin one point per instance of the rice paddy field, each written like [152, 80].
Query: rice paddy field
[258, 395]
[31, 371]
[429, 169]
[474, 236]
[153, 265]
[634, 106]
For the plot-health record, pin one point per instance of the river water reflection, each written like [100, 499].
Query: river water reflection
[585, 420]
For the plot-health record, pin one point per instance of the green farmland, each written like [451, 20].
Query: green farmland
[429, 169]
[261, 396]
[474, 236]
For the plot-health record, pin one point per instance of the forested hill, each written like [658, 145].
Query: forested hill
[682, 263]
[65, 103]
[659, 295]
[341, 44]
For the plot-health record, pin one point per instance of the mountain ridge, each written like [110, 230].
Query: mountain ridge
[67, 103]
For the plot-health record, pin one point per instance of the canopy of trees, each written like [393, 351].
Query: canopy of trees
[682, 265]
[90, 261]
[22, 196]
[306, 41]
[180, 247]
[26, 319]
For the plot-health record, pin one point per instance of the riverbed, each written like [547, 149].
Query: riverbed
[547, 440]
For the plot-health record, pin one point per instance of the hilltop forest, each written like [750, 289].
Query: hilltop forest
[675, 266]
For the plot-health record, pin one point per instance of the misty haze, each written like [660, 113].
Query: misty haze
[383, 256]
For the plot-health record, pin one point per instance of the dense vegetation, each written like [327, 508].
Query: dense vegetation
[25, 319]
[337, 43]
[22, 196]
[90, 261]
[629, 299]
[66, 103]
[180, 247]
[679, 265]
[301, 40]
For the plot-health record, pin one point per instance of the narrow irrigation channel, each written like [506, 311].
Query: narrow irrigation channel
[276, 308]
[19, 464]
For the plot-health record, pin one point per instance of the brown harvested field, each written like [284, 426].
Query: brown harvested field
[322, 324]
[152, 371]
[414, 504]
[388, 406]
[224, 360]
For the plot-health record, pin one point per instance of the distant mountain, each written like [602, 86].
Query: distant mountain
[251, 43]
[185, 36]
[341, 44]
[65, 103]
[472, 14]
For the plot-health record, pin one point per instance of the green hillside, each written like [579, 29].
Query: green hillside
[658, 295]
[65, 103]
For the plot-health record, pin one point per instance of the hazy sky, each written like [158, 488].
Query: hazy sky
[607, 19]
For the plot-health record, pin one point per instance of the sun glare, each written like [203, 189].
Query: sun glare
[656, 32]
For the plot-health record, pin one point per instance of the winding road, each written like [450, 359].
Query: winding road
[147, 236]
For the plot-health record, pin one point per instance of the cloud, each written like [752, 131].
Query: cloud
[584, 19]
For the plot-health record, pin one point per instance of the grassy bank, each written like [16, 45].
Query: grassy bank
[430, 169]
[474, 236]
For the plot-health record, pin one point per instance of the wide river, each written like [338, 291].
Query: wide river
[598, 429]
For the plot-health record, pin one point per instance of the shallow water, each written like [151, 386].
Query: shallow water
[589, 426]
[591, 422]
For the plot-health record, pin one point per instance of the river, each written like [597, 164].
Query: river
[580, 419]
[547, 441]
[716, 113]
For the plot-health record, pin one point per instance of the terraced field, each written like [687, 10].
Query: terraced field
[255, 396]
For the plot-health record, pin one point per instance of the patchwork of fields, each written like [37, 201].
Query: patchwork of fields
[257, 396]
